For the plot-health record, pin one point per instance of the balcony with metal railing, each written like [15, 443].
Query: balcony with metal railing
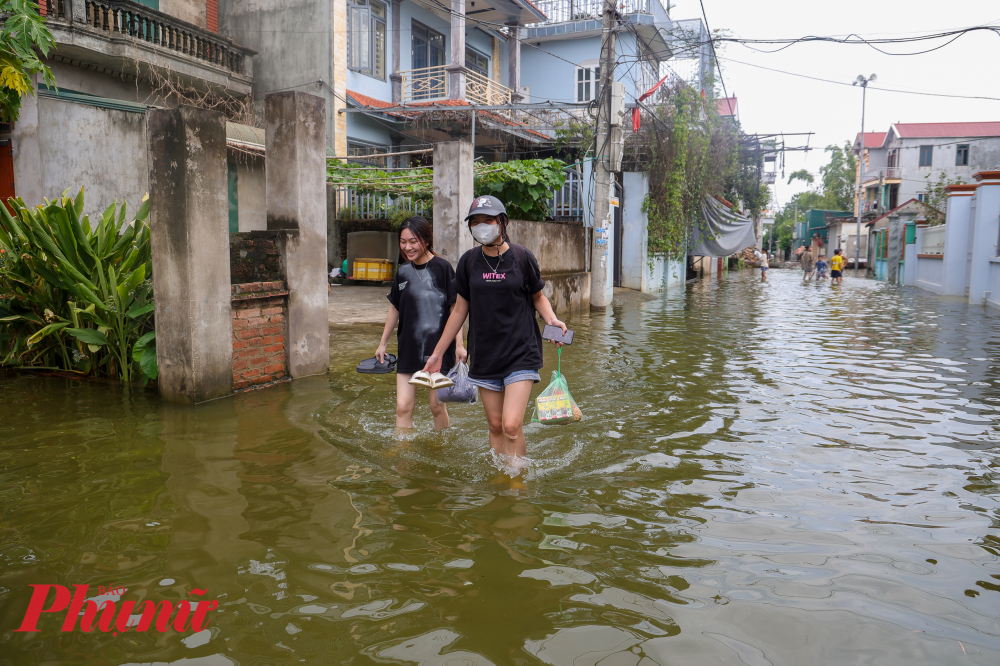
[430, 84]
[888, 173]
[563, 11]
[101, 34]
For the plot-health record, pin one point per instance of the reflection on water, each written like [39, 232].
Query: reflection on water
[767, 473]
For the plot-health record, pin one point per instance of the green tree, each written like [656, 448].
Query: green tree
[802, 175]
[839, 177]
[23, 31]
[937, 197]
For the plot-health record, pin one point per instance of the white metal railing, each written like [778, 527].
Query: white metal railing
[352, 205]
[561, 11]
[567, 202]
[887, 172]
[933, 240]
[431, 83]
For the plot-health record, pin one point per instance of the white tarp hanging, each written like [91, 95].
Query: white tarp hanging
[720, 232]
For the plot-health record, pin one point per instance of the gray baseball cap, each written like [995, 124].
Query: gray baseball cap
[486, 205]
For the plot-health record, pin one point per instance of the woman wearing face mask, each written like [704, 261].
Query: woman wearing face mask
[499, 289]
[422, 296]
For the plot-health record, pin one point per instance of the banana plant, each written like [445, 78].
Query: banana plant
[76, 296]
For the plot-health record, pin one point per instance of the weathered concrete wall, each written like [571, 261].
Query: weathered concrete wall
[301, 44]
[635, 233]
[985, 229]
[662, 274]
[192, 11]
[296, 201]
[251, 193]
[59, 145]
[189, 225]
[559, 248]
[567, 291]
[452, 198]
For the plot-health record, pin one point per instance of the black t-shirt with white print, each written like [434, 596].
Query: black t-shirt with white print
[423, 294]
[503, 334]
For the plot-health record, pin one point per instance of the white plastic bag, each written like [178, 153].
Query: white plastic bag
[463, 390]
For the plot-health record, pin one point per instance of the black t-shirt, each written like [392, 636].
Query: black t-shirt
[503, 334]
[423, 294]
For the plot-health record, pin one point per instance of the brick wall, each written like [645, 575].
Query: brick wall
[212, 14]
[259, 313]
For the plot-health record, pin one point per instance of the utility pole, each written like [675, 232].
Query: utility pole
[602, 245]
[863, 82]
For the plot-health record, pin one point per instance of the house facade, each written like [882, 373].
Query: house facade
[902, 163]
[113, 59]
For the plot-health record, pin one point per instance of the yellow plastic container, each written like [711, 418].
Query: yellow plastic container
[378, 270]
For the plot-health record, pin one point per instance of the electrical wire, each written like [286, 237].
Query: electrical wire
[712, 43]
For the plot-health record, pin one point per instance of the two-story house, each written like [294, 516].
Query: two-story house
[112, 59]
[900, 164]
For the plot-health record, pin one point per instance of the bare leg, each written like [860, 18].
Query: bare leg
[493, 405]
[515, 402]
[406, 397]
[440, 412]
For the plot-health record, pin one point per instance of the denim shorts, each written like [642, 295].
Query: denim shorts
[499, 385]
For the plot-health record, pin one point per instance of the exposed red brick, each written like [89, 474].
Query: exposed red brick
[257, 361]
[245, 334]
[240, 384]
[270, 330]
[277, 319]
[239, 365]
[212, 15]
[278, 338]
[274, 348]
[249, 313]
[251, 373]
[239, 324]
[239, 344]
[257, 321]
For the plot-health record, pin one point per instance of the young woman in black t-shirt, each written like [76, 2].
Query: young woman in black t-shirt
[422, 297]
[499, 288]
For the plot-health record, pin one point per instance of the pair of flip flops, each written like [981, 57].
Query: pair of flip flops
[372, 366]
[432, 381]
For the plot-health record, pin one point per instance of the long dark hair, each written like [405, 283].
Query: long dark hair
[420, 227]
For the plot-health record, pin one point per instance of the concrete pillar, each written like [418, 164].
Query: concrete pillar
[333, 259]
[910, 259]
[514, 62]
[189, 226]
[456, 70]
[395, 77]
[956, 238]
[452, 197]
[985, 229]
[78, 10]
[295, 141]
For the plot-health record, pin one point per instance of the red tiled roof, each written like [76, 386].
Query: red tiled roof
[365, 100]
[939, 130]
[872, 139]
[726, 106]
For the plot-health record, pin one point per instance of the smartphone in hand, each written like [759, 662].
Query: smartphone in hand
[555, 334]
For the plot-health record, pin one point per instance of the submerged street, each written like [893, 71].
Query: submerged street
[766, 473]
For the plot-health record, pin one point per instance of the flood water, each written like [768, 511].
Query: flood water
[765, 474]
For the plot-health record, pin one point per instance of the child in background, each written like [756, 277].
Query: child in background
[821, 269]
[837, 267]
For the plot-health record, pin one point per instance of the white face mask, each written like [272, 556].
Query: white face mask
[485, 233]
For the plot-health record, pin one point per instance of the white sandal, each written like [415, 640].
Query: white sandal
[421, 378]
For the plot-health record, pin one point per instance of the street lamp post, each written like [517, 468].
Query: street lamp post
[863, 82]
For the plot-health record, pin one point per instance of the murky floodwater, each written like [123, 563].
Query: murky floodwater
[766, 474]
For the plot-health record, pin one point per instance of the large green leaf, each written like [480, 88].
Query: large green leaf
[90, 336]
[139, 310]
[140, 344]
[148, 362]
[51, 328]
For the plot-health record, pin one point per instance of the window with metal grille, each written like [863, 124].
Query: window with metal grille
[962, 155]
[357, 149]
[366, 37]
[926, 153]
[587, 83]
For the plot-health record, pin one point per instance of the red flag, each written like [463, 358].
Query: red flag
[636, 119]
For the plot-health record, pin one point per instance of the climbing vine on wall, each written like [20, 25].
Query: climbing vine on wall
[691, 153]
